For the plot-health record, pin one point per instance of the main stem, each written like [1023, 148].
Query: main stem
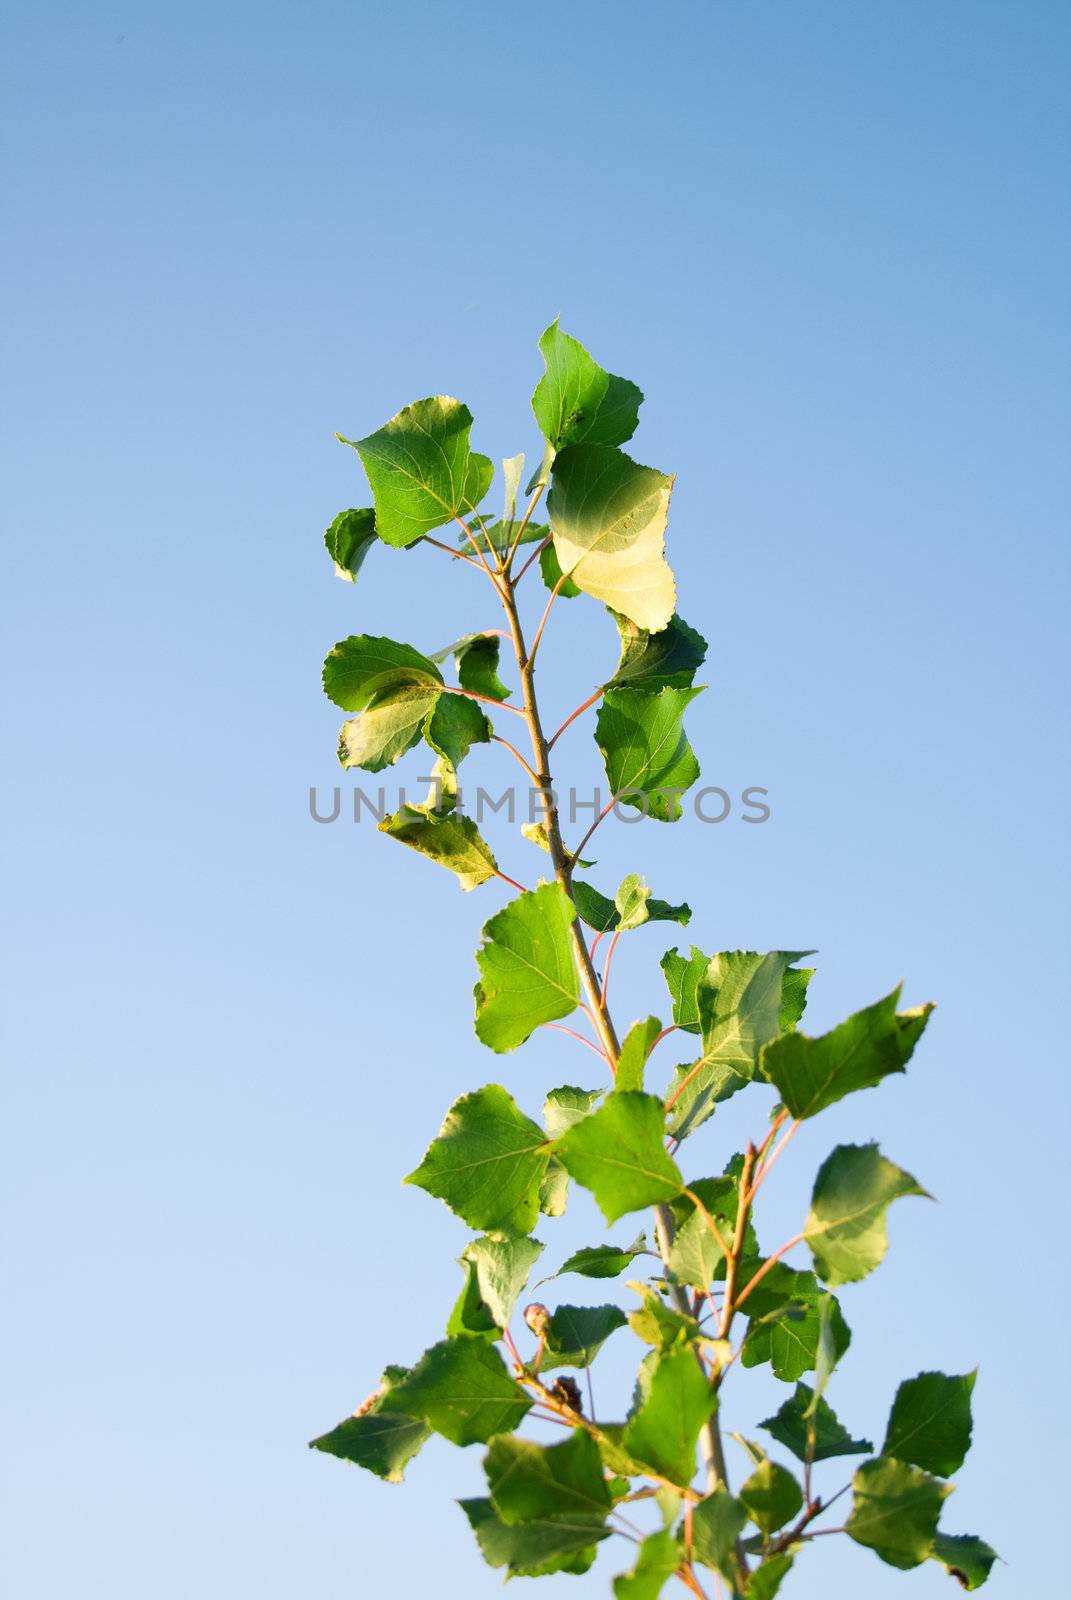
[710, 1434]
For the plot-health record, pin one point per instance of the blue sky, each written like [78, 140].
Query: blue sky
[829, 241]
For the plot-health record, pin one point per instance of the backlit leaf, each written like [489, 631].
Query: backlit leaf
[603, 1260]
[652, 661]
[349, 539]
[527, 972]
[786, 1323]
[634, 1052]
[455, 842]
[665, 1428]
[618, 1153]
[529, 1481]
[846, 1227]
[608, 520]
[604, 915]
[565, 1106]
[576, 1334]
[382, 1438]
[811, 1074]
[649, 762]
[501, 1268]
[392, 687]
[476, 660]
[487, 1162]
[421, 469]
[657, 1560]
[964, 1557]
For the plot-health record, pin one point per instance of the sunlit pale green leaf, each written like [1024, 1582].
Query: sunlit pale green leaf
[565, 1106]
[349, 539]
[739, 1000]
[664, 1431]
[576, 1334]
[381, 1438]
[604, 915]
[786, 1323]
[608, 520]
[392, 686]
[813, 1073]
[453, 841]
[534, 1549]
[657, 1560]
[846, 1227]
[649, 762]
[421, 469]
[618, 1153]
[529, 1481]
[653, 661]
[471, 1313]
[772, 1496]
[461, 1388]
[487, 1162]
[698, 1253]
[634, 1052]
[799, 1418]
[657, 1323]
[553, 577]
[682, 974]
[930, 1422]
[895, 1511]
[527, 972]
[965, 1557]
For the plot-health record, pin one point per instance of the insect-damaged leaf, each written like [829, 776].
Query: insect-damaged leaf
[421, 469]
[964, 1557]
[527, 972]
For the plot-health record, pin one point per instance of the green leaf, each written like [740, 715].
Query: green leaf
[895, 1511]
[772, 1497]
[421, 469]
[602, 1260]
[349, 539]
[657, 1323]
[527, 972]
[453, 841]
[534, 1549]
[604, 915]
[470, 1313]
[554, 1191]
[717, 1523]
[791, 1424]
[649, 762]
[930, 1422]
[766, 1580]
[537, 833]
[381, 1438]
[501, 1268]
[530, 1482]
[634, 1052]
[739, 1000]
[392, 686]
[576, 1334]
[696, 1255]
[498, 536]
[453, 727]
[576, 399]
[512, 473]
[461, 1388]
[476, 660]
[617, 1152]
[487, 1162]
[665, 1428]
[786, 1323]
[608, 520]
[814, 1073]
[846, 1227]
[965, 1557]
[682, 975]
[653, 661]
[566, 1106]
[657, 1560]
[552, 574]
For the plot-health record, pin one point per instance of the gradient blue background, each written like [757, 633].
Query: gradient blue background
[829, 240]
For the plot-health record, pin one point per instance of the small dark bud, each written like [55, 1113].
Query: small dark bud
[567, 1390]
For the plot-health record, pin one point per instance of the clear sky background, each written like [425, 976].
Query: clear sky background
[830, 241]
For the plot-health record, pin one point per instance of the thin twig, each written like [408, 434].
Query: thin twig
[488, 700]
[766, 1265]
[590, 701]
[554, 593]
[458, 555]
[560, 1028]
[511, 881]
[512, 748]
[774, 1154]
[536, 553]
[606, 969]
[605, 812]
